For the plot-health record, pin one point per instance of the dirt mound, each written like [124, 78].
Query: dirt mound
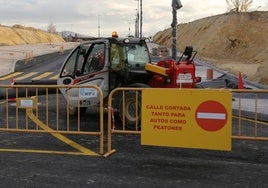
[25, 35]
[236, 42]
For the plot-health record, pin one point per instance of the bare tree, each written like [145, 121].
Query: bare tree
[239, 5]
[51, 28]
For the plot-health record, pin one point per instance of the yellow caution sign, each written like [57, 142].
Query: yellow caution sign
[188, 118]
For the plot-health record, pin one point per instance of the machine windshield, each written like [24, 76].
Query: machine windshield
[137, 55]
[130, 55]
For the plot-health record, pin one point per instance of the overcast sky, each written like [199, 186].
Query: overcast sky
[84, 16]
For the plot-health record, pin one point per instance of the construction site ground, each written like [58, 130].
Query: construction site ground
[133, 164]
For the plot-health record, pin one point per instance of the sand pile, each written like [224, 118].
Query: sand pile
[233, 42]
[26, 35]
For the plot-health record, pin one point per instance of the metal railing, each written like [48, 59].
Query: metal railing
[249, 112]
[43, 109]
[117, 100]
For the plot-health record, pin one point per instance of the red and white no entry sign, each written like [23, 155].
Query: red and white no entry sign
[211, 116]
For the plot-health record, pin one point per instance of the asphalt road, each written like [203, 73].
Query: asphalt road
[41, 68]
[133, 165]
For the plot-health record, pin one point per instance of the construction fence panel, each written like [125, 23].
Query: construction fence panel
[43, 109]
[249, 114]
[250, 106]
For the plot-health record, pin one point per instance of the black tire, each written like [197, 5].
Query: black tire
[73, 111]
[131, 115]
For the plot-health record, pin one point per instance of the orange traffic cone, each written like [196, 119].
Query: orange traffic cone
[240, 81]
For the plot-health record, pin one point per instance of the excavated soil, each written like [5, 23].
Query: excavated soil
[235, 42]
[18, 34]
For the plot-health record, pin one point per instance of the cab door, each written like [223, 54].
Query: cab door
[70, 70]
[86, 65]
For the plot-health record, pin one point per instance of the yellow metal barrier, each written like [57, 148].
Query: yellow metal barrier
[43, 109]
[118, 99]
[250, 115]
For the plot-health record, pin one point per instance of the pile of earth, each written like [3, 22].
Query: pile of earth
[18, 34]
[235, 42]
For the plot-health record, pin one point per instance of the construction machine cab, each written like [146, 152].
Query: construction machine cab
[107, 63]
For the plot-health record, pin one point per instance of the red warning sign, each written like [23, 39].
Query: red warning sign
[211, 116]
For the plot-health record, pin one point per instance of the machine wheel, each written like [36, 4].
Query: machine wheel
[74, 110]
[130, 110]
